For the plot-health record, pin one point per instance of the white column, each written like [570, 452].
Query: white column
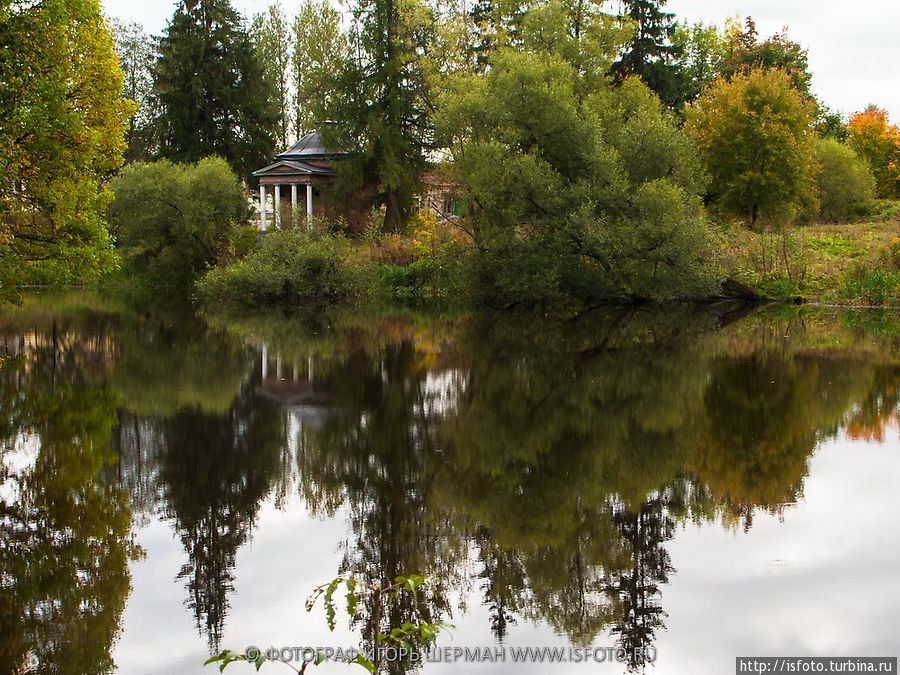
[294, 204]
[278, 206]
[262, 207]
[265, 361]
[309, 205]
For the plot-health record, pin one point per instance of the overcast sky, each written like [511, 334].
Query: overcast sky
[854, 47]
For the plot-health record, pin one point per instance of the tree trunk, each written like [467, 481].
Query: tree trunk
[393, 214]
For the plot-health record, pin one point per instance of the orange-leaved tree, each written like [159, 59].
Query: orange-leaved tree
[878, 142]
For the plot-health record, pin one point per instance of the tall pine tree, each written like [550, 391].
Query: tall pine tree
[651, 54]
[383, 105]
[211, 91]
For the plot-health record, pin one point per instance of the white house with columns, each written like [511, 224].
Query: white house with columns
[304, 174]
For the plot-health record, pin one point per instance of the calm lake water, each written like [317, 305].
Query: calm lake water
[684, 484]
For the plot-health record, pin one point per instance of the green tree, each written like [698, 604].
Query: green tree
[271, 36]
[317, 55]
[174, 221]
[213, 96]
[846, 186]
[754, 134]
[745, 53]
[62, 135]
[137, 52]
[652, 55]
[564, 200]
[384, 104]
[701, 50]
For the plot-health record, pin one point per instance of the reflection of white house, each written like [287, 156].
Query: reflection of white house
[293, 386]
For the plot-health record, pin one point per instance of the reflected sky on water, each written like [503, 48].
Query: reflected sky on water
[702, 482]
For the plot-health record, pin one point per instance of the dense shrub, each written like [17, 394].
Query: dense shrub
[845, 184]
[172, 222]
[577, 197]
[288, 268]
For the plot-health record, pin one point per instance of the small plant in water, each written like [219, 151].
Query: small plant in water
[409, 637]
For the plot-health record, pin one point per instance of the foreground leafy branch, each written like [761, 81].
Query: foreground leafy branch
[411, 636]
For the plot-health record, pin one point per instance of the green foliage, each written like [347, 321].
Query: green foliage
[562, 201]
[271, 36]
[837, 247]
[652, 52]
[875, 281]
[701, 49]
[289, 268]
[745, 53]
[409, 635]
[846, 186]
[317, 56]
[137, 53]
[430, 266]
[383, 100]
[63, 122]
[212, 93]
[753, 132]
[174, 221]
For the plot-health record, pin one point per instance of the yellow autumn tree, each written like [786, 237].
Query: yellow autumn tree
[61, 136]
[877, 141]
[755, 137]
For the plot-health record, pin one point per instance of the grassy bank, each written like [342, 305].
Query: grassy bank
[847, 264]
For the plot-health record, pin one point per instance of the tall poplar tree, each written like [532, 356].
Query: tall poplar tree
[271, 35]
[318, 53]
[213, 97]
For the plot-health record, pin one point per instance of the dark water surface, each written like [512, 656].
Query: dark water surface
[692, 484]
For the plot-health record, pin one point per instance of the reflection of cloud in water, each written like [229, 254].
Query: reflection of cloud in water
[442, 390]
[18, 461]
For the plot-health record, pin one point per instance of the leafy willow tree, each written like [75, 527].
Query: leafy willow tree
[61, 136]
[576, 188]
[271, 35]
[137, 52]
[754, 134]
[383, 102]
[317, 56]
[174, 221]
[212, 94]
[652, 54]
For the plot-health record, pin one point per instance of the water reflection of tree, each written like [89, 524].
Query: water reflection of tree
[378, 453]
[572, 450]
[214, 472]
[638, 587]
[64, 533]
[565, 453]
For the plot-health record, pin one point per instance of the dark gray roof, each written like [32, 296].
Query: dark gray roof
[308, 147]
[287, 167]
